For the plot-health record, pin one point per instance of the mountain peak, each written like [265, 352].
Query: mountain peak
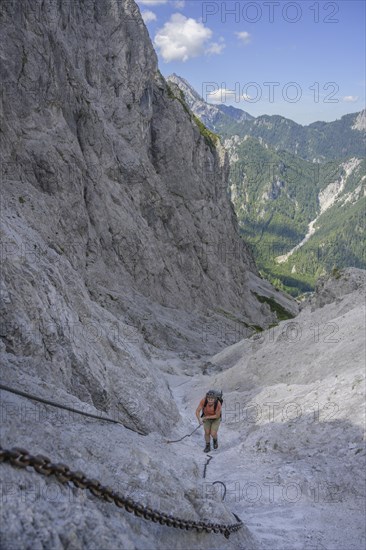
[213, 116]
[185, 86]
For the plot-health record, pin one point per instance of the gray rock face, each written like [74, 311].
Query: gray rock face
[360, 122]
[120, 253]
[313, 365]
[118, 234]
[333, 287]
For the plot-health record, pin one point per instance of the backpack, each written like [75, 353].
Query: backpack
[218, 397]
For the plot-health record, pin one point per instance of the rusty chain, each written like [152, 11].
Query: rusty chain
[21, 458]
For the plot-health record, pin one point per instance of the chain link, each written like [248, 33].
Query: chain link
[21, 458]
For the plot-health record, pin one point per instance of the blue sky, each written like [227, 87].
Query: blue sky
[304, 60]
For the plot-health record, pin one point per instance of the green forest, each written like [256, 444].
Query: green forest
[276, 196]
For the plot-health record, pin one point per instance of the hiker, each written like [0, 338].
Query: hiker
[210, 417]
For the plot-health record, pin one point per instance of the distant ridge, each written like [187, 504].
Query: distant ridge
[319, 141]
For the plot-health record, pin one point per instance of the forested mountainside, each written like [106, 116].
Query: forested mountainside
[302, 219]
[298, 191]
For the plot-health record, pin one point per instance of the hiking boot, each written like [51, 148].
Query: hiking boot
[215, 444]
[207, 449]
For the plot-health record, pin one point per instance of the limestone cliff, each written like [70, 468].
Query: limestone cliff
[118, 238]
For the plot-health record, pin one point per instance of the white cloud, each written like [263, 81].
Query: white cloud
[244, 37]
[151, 2]
[179, 4]
[222, 95]
[350, 98]
[216, 47]
[148, 16]
[181, 38]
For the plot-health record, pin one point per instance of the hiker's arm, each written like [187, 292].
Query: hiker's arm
[198, 410]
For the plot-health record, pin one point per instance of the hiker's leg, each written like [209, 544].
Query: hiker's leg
[215, 427]
[207, 428]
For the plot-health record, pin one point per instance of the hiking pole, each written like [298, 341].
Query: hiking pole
[188, 435]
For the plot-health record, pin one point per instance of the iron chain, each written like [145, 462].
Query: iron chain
[21, 458]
